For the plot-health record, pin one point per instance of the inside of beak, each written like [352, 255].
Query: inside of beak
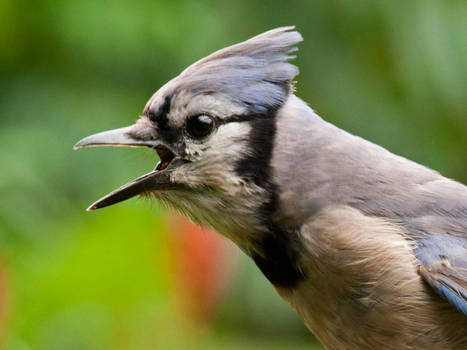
[157, 179]
[165, 155]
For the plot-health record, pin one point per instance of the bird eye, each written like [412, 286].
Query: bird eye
[200, 126]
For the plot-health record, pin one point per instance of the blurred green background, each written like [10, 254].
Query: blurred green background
[131, 277]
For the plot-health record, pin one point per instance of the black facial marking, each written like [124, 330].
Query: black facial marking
[255, 166]
[241, 118]
[277, 251]
[160, 118]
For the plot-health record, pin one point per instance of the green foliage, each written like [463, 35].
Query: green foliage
[391, 71]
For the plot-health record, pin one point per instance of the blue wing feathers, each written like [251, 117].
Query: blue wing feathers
[449, 282]
[459, 302]
[443, 265]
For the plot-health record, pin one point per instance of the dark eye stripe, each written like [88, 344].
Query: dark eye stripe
[240, 118]
[171, 133]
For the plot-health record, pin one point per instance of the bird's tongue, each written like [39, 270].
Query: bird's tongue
[166, 156]
[164, 163]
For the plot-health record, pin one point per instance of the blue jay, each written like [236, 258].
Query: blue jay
[369, 248]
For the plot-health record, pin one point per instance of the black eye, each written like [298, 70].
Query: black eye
[200, 126]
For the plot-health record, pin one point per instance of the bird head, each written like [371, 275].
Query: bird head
[212, 127]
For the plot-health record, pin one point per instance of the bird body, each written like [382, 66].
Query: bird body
[368, 247]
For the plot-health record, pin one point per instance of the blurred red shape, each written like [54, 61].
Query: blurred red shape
[204, 266]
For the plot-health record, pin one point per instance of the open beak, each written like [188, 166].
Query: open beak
[158, 179]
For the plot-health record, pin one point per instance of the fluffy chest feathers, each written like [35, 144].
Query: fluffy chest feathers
[363, 290]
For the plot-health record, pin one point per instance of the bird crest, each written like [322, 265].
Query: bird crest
[255, 74]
